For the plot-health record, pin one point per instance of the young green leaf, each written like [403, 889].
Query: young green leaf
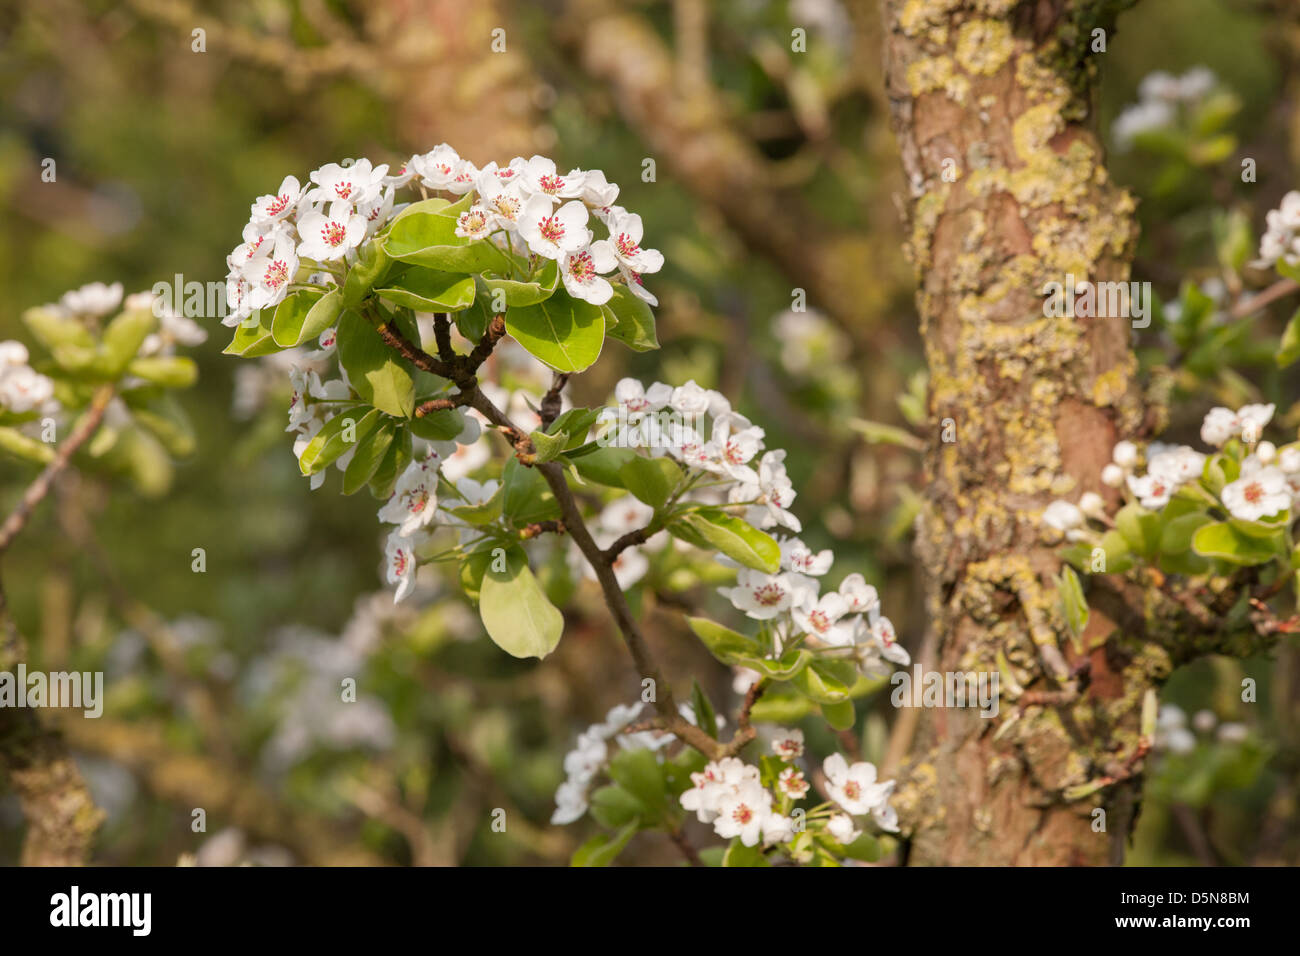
[428, 290]
[651, 480]
[515, 610]
[565, 333]
[633, 323]
[378, 374]
[714, 529]
[341, 433]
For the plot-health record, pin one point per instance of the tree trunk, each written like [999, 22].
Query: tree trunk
[990, 100]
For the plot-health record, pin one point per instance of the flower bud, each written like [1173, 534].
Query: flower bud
[1112, 476]
[1091, 504]
[1125, 454]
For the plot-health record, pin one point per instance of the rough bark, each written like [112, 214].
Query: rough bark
[995, 94]
[62, 818]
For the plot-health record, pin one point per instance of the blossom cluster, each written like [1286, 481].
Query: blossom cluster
[733, 796]
[1281, 239]
[1267, 485]
[1160, 96]
[22, 388]
[526, 205]
[1174, 735]
[590, 754]
[732, 467]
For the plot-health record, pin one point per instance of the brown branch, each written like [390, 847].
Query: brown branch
[541, 527]
[442, 335]
[553, 400]
[571, 516]
[421, 359]
[39, 488]
[684, 845]
[441, 404]
[495, 331]
[1278, 290]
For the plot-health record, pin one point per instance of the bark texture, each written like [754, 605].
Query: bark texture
[62, 818]
[1008, 191]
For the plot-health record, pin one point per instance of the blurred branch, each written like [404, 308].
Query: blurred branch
[61, 815]
[342, 53]
[693, 137]
[39, 488]
[194, 781]
[136, 614]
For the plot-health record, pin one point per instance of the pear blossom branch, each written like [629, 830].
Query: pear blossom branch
[571, 517]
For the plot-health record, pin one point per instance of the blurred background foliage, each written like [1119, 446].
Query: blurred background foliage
[774, 171]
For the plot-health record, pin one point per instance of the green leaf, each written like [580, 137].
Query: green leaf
[865, 847]
[484, 513]
[164, 418]
[378, 374]
[303, 316]
[332, 440]
[394, 463]
[705, 716]
[565, 333]
[1073, 603]
[726, 645]
[473, 322]
[16, 443]
[429, 239]
[171, 371]
[123, 337]
[1289, 348]
[53, 329]
[612, 806]
[840, 716]
[602, 850]
[372, 263]
[878, 433]
[602, 465]
[640, 774]
[548, 447]
[817, 685]
[515, 610]
[508, 292]
[633, 323]
[528, 497]
[714, 529]
[370, 454]
[789, 664]
[1222, 540]
[740, 855]
[651, 480]
[253, 338]
[1140, 528]
[427, 290]
[575, 423]
[442, 425]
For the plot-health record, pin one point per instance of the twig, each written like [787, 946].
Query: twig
[463, 374]
[39, 488]
[1278, 290]
[553, 400]
[683, 844]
